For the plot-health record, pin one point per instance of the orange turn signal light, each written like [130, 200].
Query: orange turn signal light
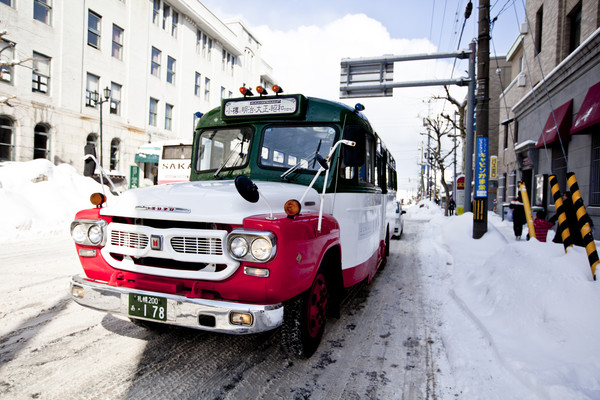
[246, 91]
[261, 90]
[292, 208]
[277, 89]
[97, 199]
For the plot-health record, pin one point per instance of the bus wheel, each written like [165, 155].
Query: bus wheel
[304, 320]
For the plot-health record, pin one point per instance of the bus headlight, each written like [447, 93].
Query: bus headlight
[89, 232]
[239, 247]
[261, 249]
[253, 246]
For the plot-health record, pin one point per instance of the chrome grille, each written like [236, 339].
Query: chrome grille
[129, 239]
[197, 245]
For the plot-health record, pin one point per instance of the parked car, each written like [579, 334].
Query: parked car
[399, 222]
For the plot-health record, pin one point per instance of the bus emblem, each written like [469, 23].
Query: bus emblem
[156, 242]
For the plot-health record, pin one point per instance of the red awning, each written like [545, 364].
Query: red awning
[589, 112]
[563, 116]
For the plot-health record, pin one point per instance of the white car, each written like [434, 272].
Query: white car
[399, 222]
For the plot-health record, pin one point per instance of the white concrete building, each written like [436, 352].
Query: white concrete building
[163, 62]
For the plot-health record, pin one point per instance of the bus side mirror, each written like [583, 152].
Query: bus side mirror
[246, 188]
[354, 156]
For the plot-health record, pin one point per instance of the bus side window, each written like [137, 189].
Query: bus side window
[354, 156]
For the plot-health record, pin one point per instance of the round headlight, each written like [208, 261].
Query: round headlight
[78, 233]
[95, 234]
[239, 247]
[261, 249]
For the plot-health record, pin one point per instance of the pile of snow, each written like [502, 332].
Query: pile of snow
[525, 310]
[39, 198]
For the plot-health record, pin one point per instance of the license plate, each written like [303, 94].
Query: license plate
[151, 307]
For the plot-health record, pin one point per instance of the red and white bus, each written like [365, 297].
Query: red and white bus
[291, 202]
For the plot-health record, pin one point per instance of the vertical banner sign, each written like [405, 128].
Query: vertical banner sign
[493, 167]
[481, 168]
[134, 176]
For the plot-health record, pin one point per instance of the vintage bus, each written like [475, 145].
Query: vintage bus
[291, 202]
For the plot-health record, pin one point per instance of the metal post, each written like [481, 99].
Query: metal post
[101, 163]
[470, 112]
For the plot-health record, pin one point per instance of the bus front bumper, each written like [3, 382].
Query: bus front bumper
[203, 314]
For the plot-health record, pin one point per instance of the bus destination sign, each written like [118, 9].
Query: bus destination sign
[273, 106]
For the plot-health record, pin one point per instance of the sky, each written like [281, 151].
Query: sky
[305, 40]
[518, 319]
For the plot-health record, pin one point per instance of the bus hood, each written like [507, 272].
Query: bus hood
[207, 201]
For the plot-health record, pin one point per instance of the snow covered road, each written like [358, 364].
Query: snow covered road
[385, 345]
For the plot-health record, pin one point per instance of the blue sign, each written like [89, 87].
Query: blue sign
[481, 168]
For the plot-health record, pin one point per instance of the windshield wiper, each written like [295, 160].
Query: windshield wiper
[240, 155]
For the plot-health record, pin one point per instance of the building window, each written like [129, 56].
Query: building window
[7, 52]
[512, 185]
[198, 41]
[40, 76]
[222, 92]
[92, 140]
[94, 23]
[7, 2]
[595, 171]
[559, 165]
[115, 98]
[6, 139]
[516, 132]
[168, 117]
[197, 81]
[166, 14]
[502, 187]
[115, 147]
[206, 89]
[92, 85]
[117, 42]
[174, 22]
[42, 10]
[539, 21]
[505, 134]
[574, 27]
[171, 70]
[40, 141]
[209, 46]
[153, 112]
[155, 64]
[156, 12]
[228, 61]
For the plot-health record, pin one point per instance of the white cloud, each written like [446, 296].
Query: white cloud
[307, 60]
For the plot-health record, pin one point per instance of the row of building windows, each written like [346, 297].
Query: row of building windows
[41, 142]
[571, 31]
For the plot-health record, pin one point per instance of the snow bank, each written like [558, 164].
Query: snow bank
[533, 305]
[39, 198]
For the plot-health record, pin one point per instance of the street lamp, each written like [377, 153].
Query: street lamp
[97, 100]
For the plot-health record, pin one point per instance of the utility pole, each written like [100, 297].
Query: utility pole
[480, 204]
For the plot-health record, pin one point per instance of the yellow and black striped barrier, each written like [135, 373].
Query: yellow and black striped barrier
[560, 209]
[527, 207]
[583, 222]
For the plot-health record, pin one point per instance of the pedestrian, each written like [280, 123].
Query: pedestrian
[572, 224]
[451, 206]
[518, 212]
[541, 226]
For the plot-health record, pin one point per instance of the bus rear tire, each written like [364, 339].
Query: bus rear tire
[304, 319]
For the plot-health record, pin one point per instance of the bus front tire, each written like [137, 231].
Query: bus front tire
[304, 319]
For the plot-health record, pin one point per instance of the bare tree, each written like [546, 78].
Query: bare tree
[460, 125]
[439, 128]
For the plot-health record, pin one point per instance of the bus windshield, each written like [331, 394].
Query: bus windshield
[286, 146]
[223, 148]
